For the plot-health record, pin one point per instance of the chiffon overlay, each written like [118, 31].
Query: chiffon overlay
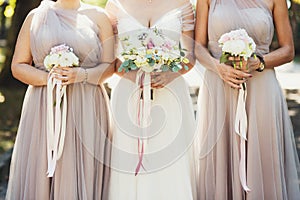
[168, 164]
[80, 172]
[271, 157]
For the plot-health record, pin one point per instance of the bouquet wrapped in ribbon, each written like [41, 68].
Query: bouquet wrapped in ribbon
[241, 47]
[149, 51]
[63, 56]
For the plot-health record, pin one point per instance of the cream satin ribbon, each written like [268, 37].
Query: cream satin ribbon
[56, 127]
[143, 80]
[241, 129]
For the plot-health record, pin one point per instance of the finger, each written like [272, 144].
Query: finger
[233, 85]
[156, 80]
[242, 74]
[59, 71]
[237, 81]
[159, 84]
[60, 77]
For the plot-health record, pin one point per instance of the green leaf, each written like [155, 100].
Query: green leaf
[133, 67]
[224, 58]
[152, 62]
[165, 68]
[175, 69]
[180, 46]
[125, 63]
[120, 69]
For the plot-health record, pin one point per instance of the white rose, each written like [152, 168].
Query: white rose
[68, 60]
[234, 47]
[51, 61]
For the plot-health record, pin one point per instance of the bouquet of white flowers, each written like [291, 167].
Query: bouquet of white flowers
[61, 55]
[236, 43]
[156, 53]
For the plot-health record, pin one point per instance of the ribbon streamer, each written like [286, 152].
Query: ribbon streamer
[144, 108]
[56, 127]
[241, 129]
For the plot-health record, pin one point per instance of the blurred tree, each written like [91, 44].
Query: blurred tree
[295, 22]
[100, 3]
[21, 11]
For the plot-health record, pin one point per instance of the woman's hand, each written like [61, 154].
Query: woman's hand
[231, 76]
[247, 66]
[161, 79]
[68, 75]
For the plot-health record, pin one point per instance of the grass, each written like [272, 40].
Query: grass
[10, 109]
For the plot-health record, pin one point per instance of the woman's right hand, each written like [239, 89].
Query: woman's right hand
[231, 76]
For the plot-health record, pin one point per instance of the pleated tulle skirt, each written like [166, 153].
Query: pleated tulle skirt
[81, 172]
[271, 157]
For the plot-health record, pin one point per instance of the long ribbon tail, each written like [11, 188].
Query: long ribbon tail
[141, 154]
[56, 127]
[50, 125]
[241, 129]
[64, 123]
[144, 109]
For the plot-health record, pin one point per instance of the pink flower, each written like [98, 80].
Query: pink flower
[167, 46]
[63, 48]
[150, 44]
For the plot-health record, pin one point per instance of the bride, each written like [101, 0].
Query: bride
[160, 164]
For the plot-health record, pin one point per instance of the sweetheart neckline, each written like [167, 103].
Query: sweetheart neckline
[155, 23]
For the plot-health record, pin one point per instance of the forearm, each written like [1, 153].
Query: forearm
[97, 75]
[29, 74]
[279, 57]
[205, 58]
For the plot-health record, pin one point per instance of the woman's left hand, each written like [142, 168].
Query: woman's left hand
[248, 66]
[68, 75]
[161, 79]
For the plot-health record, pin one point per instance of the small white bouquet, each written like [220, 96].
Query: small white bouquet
[155, 52]
[236, 43]
[61, 55]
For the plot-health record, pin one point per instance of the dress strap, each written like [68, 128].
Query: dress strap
[188, 17]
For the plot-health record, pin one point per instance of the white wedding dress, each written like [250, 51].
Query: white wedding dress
[168, 171]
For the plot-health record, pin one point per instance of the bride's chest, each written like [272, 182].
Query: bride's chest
[170, 21]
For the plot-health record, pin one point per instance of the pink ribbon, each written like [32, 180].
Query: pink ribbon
[143, 114]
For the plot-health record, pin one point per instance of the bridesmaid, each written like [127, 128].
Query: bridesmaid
[80, 172]
[271, 160]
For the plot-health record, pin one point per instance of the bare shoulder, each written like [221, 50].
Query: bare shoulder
[29, 17]
[95, 13]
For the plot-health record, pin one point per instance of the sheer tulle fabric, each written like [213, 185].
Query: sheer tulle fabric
[168, 158]
[272, 160]
[81, 172]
